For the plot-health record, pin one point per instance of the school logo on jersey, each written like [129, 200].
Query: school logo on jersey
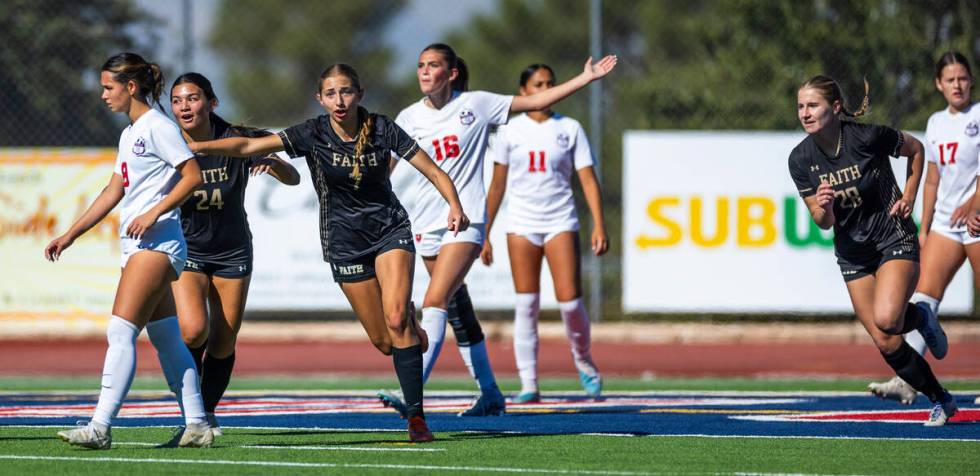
[972, 129]
[139, 148]
[466, 117]
[563, 140]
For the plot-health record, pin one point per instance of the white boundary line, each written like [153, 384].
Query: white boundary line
[303, 447]
[511, 432]
[407, 467]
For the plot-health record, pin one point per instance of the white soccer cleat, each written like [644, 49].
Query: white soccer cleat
[196, 435]
[942, 410]
[213, 422]
[894, 389]
[88, 436]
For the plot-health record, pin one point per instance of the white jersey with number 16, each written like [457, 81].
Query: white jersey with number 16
[456, 138]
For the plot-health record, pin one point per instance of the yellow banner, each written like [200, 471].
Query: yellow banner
[42, 192]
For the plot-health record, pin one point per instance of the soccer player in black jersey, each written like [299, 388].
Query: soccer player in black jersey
[843, 174]
[219, 243]
[364, 231]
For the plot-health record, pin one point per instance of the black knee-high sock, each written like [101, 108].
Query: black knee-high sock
[913, 369]
[408, 367]
[913, 318]
[214, 379]
[462, 318]
[198, 354]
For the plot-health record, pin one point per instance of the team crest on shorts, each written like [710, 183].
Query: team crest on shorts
[139, 148]
[466, 117]
[972, 129]
[563, 140]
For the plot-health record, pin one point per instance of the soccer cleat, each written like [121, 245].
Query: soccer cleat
[196, 435]
[490, 403]
[418, 431]
[88, 436]
[390, 400]
[942, 410]
[894, 389]
[527, 397]
[591, 384]
[932, 332]
[213, 422]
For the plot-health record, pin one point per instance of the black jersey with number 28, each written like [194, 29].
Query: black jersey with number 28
[358, 211]
[864, 187]
[213, 218]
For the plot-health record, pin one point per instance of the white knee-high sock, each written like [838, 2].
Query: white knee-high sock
[178, 367]
[577, 328]
[118, 370]
[478, 362]
[434, 323]
[526, 312]
[915, 339]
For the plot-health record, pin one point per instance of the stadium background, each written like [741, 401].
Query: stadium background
[698, 73]
[708, 66]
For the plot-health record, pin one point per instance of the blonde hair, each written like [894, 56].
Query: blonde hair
[831, 91]
[362, 138]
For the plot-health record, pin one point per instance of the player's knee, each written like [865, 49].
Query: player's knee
[888, 322]
[382, 344]
[396, 321]
[194, 334]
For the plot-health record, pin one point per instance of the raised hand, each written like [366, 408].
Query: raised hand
[600, 68]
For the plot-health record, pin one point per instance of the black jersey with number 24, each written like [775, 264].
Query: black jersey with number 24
[358, 212]
[213, 218]
[864, 188]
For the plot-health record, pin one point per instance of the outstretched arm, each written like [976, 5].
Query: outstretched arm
[239, 146]
[550, 96]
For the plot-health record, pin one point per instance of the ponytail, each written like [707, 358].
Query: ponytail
[362, 138]
[126, 67]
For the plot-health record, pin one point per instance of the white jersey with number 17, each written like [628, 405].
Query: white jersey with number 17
[541, 157]
[953, 144]
[456, 138]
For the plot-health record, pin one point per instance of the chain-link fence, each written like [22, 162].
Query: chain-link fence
[725, 64]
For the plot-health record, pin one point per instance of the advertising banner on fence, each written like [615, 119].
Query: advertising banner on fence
[42, 191]
[713, 223]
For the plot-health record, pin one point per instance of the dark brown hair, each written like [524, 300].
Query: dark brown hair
[126, 67]
[462, 81]
[531, 69]
[952, 57]
[219, 123]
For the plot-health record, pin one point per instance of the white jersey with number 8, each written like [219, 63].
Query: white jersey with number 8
[953, 144]
[541, 158]
[456, 138]
[150, 149]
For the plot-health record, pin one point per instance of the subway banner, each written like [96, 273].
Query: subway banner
[712, 222]
[44, 190]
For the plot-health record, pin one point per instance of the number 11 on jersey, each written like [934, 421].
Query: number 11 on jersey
[540, 167]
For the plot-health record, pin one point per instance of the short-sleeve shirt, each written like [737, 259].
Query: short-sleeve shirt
[540, 159]
[456, 138]
[358, 213]
[150, 149]
[953, 144]
[864, 188]
[213, 218]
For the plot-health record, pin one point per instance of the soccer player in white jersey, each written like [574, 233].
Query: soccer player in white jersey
[154, 173]
[952, 149]
[536, 154]
[452, 125]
